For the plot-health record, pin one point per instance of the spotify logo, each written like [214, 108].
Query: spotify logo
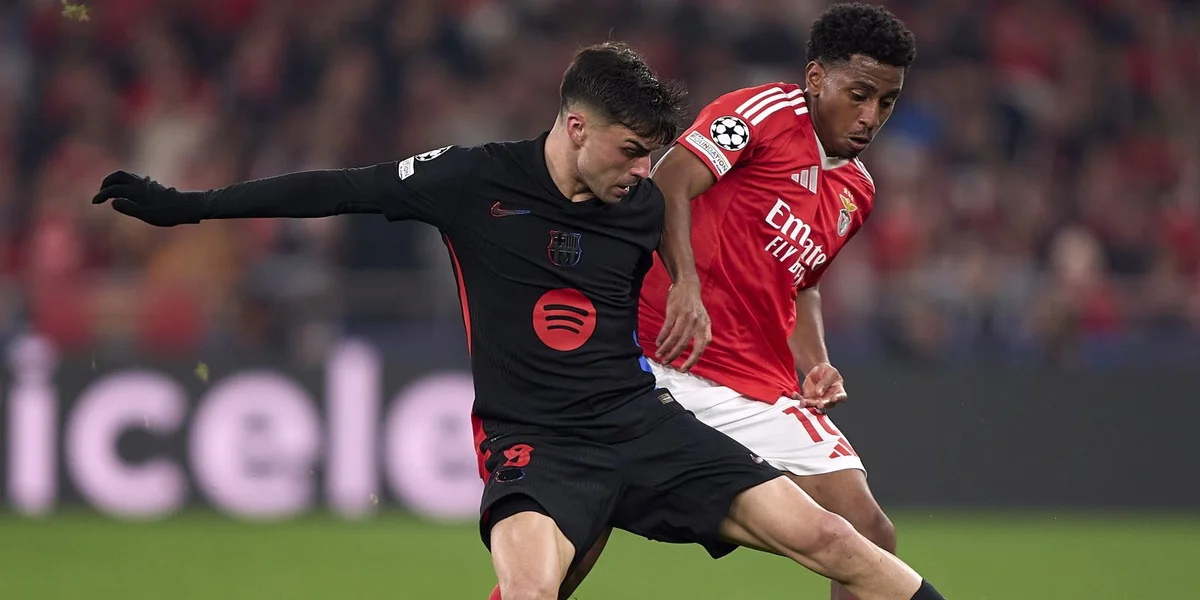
[564, 319]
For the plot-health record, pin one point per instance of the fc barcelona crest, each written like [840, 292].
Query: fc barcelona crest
[564, 249]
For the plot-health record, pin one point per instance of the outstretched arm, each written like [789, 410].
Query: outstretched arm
[299, 195]
[426, 188]
[304, 194]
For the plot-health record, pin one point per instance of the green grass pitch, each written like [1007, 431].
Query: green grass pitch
[976, 556]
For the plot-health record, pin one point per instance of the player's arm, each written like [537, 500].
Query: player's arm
[729, 129]
[297, 195]
[823, 386]
[681, 176]
[808, 336]
[379, 189]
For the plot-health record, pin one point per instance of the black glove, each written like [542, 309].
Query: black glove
[146, 199]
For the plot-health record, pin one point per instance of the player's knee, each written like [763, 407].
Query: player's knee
[825, 532]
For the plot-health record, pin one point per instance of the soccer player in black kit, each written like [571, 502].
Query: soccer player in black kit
[549, 239]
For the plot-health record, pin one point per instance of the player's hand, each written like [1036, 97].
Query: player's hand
[823, 387]
[686, 324]
[146, 199]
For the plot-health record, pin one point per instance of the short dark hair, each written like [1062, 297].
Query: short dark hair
[844, 30]
[615, 80]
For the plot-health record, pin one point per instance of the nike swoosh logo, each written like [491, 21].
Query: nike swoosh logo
[499, 211]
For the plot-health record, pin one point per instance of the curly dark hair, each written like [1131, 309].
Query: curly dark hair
[615, 80]
[844, 30]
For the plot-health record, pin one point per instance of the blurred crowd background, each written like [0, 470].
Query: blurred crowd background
[1039, 183]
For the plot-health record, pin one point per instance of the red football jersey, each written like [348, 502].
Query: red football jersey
[777, 216]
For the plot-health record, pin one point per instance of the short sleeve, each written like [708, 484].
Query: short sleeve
[732, 126]
[428, 187]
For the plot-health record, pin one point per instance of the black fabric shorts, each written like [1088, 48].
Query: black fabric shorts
[673, 484]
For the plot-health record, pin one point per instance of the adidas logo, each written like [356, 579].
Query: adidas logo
[807, 179]
[843, 448]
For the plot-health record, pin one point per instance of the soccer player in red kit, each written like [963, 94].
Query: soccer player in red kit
[775, 189]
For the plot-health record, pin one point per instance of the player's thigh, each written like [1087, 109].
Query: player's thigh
[782, 518]
[573, 482]
[583, 566]
[529, 552]
[779, 517]
[681, 479]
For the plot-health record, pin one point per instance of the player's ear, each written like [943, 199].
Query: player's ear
[814, 78]
[576, 127]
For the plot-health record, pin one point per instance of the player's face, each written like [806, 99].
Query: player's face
[851, 101]
[612, 159]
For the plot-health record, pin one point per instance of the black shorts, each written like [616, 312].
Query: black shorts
[673, 484]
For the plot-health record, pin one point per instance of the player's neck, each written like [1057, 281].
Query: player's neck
[560, 162]
[827, 162]
[811, 103]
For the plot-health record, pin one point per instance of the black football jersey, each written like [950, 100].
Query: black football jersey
[549, 287]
